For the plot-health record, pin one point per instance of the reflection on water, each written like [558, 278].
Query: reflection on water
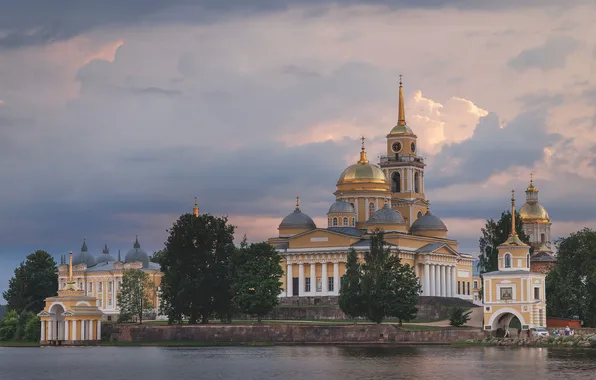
[295, 362]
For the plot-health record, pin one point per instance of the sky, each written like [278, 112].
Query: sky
[115, 115]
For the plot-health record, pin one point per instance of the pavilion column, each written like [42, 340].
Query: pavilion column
[324, 279]
[43, 331]
[74, 329]
[289, 281]
[432, 280]
[313, 278]
[443, 282]
[426, 279]
[437, 280]
[50, 330]
[454, 280]
[65, 330]
[300, 279]
[336, 281]
[99, 330]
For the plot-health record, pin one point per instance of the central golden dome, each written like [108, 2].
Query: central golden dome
[533, 212]
[362, 171]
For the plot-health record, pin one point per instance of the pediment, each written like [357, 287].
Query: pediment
[324, 238]
[441, 249]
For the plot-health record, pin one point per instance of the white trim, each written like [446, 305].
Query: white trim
[505, 285]
[506, 310]
[83, 303]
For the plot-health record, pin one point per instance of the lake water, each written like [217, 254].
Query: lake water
[295, 362]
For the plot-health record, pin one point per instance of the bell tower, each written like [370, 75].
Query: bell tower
[404, 168]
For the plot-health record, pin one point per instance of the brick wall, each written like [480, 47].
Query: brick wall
[287, 333]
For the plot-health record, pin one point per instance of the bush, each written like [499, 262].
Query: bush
[33, 329]
[24, 326]
[9, 325]
[459, 316]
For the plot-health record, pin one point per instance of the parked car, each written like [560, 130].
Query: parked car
[540, 331]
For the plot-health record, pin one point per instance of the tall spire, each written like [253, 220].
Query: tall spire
[136, 245]
[401, 116]
[84, 246]
[70, 267]
[119, 258]
[513, 232]
[297, 202]
[363, 159]
[195, 210]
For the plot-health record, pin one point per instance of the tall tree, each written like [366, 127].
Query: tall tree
[136, 293]
[257, 279]
[33, 281]
[197, 278]
[387, 286]
[494, 234]
[350, 292]
[571, 284]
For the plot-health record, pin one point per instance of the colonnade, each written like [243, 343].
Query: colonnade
[67, 330]
[325, 290]
[439, 280]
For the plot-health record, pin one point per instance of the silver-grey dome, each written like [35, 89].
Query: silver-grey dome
[105, 256]
[386, 215]
[342, 207]
[137, 254]
[428, 222]
[83, 257]
[297, 219]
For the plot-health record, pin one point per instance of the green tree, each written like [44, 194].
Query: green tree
[387, 284]
[135, 295]
[33, 281]
[350, 292]
[9, 325]
[257, 278]
[33, 329]
[458, 316]
[571, 284]
[196, 266]
[494, 234]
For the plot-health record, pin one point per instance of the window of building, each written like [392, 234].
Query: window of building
[416, 182]
[110, 286]
[335, 222]
[371, 209]
[307, 284]
[90, 287]
[353, 222]
[80, 284]
[99, 286]
[459, 287]
[536, 293]
[329, 222]
[507, 260]
[319, 284]
[542, 238]
[475, 284]
[345, 221]
[468, 287]
[528, 260]
[330, 284]
[99, 303]
[396, 182]
[506, 293]
[109, 302]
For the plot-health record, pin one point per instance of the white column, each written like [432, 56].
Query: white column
[43, 330]
[98, 330]
[444, 290]
[437, 280]
[336, 281]
[449, 282]
[289, 281]
[50, 330]
[324, 278]
[74, 330]
[426, 279]
[432, 280]
[454, 280]
[65, 337]
[366, 216]
[300, 279]
[313, 279]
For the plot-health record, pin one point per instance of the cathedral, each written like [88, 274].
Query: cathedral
[388, 196]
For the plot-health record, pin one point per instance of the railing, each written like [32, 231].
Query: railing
[402, 158]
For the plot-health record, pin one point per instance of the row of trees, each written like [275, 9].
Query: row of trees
[380, 287]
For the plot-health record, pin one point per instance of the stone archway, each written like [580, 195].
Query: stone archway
[502, 320]
[56, 323]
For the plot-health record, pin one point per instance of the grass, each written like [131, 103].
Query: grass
[18, 343]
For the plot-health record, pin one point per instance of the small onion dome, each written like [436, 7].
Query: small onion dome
[341, 207]
[386, 219]
[429, 225]
[362, 172]
[84, 257]
[533, 212]
[137, 254]
[296, 222]
[104, 256]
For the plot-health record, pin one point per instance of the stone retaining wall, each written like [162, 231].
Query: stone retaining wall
[287, 333]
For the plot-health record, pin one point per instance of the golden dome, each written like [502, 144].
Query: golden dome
[533, 212]
[363, 171]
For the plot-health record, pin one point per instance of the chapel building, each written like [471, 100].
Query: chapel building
[389, 196]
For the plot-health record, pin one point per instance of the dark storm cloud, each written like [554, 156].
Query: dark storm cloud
[34, 22]
[492, 150]
[551, 55]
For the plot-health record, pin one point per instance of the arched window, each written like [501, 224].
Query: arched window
[345, 221]
[371, 209]
[507, 260]
[528, 260]
[396, 182]
[334, 222]
[353, 222]
[419, 215]
[416, 182]
[354, 207]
